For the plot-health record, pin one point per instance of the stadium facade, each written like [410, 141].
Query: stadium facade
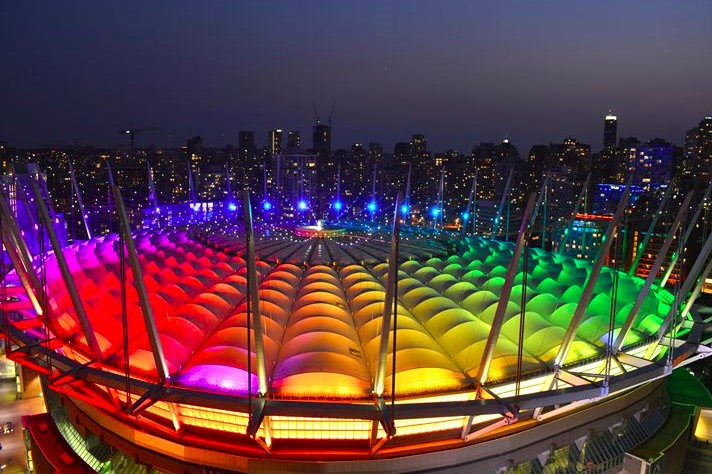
[218, 348]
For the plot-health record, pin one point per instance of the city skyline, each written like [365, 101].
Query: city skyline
[384, 237]
[304, 139]
[535, 73]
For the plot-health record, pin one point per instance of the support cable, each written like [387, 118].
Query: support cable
[522, 319]
[691, 224]
[499, 316]
[678, 300]
[394, 311]
[3, 288]
[43, 286]
[474, 204]
[612, 307]
[249, 351]
[390, 295]
[124, 316]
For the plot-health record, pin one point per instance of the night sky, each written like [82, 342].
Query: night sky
[458, 71]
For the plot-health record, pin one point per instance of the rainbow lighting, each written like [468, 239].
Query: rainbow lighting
[290, 371]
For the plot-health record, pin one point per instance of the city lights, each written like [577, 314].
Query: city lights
[324, 251]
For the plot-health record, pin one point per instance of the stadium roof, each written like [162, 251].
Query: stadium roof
[322, 316]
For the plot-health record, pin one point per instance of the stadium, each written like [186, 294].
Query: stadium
[219, 348]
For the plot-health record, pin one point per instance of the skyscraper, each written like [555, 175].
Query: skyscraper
[194, 151]
[275, 141]
[419, 144]
[698, 147]
[4, 156]
[248, 165]
[326, 166]
[375, 152]
[246, 144]
[294, 141]
[321, 139]
[572, 156]
[483, 156]
[539, 161]
[651, 163]
[610, 130]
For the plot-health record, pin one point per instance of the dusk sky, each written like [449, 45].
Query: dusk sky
[460, 72]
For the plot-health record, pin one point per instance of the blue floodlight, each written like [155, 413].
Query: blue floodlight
[338, 206]
[404, 209]
[435, 211]
[232, 206]
[372, 206]
[466, 215]
[266, 205]
[302, 205]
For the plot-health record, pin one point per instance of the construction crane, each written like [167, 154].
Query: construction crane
[132, 131]
[316, 113]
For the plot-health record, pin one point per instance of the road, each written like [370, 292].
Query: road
[12, 454]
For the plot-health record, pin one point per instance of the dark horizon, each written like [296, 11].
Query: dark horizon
[458, 72]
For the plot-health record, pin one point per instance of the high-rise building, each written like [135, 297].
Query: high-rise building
[248, 165]
[686, 162]
[295, 181]
[610, 130]
[458, 181]
[321, 139]
[425, 174]
[651, 163]
[294, 141]
[704, 143]
[403, 153]
[326, 166]
[483, 156]
[539, 161]
[419, 144]
[507, 160]
[194, 152]
[698, 147]
[375, 152]
[246, 143]
[494, 164]
[570, 156]
[4, 156]
[607, 196]
[275, 141]
[358, 176]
